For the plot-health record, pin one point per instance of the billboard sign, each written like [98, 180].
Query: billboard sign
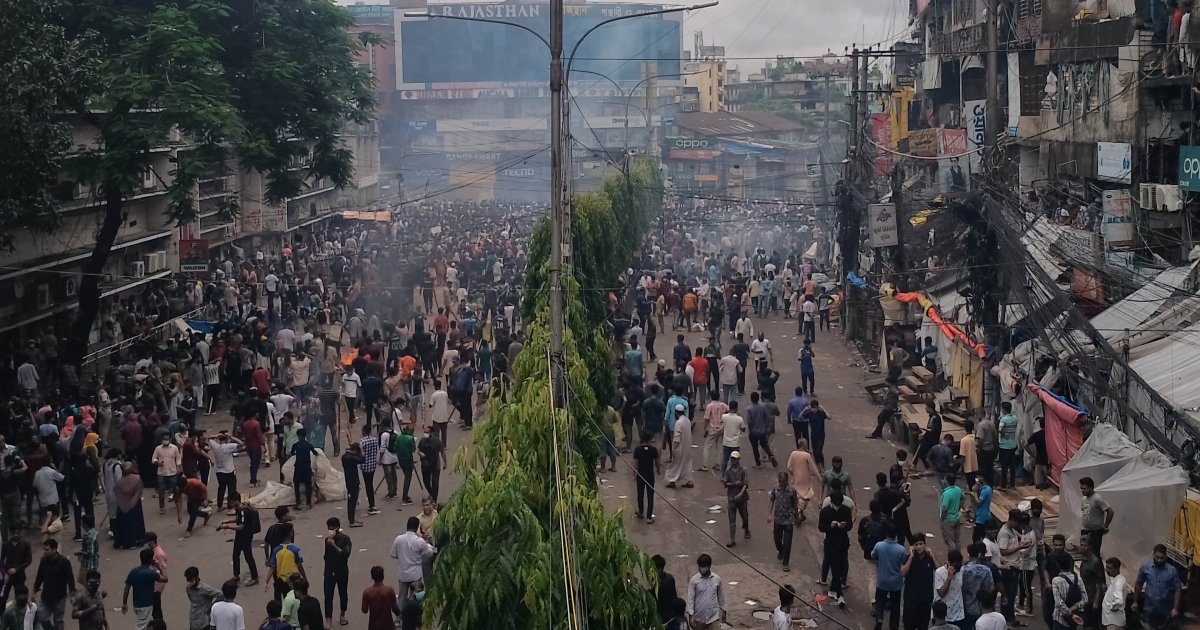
[1189, 169]
[435, 53]
[1114, 162]
[975, 114]
[1117, 208]
[693, 154]
[881, 219]
[193, 255]
[688, 143]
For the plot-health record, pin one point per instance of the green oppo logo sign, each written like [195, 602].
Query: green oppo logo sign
[688, 143]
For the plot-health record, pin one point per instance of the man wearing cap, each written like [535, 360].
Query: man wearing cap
[737, 490]
[732, 428]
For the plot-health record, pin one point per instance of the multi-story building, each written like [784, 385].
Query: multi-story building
[744, 155]
[708, 74]
[470, 115]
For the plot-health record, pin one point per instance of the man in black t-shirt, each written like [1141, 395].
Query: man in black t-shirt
[279, 532]
[648, 466]
[433, 461]
[308, 615]
[1041, 460]
[244, 518]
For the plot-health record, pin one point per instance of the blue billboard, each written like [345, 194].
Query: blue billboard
[440, 51]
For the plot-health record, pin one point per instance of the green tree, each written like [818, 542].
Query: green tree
[264, 80]
[531, 477]
[43, 68]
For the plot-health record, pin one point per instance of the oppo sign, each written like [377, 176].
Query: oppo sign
[689, 143]
[1189, 168]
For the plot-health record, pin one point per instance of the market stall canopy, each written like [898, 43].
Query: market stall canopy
[1145, 495]
[1106, 451]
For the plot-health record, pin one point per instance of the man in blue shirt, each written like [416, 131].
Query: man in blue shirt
[983, 508]
[1158, 589]
[141, 581]
[796, 406]
[889, 556]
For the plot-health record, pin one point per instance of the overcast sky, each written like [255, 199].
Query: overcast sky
[766, 28]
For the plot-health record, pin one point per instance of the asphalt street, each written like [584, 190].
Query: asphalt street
[684, 527]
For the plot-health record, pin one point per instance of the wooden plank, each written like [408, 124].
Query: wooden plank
[1005, 500]
[922, 373]
[914, 383]
[905, 390]
[958, 394]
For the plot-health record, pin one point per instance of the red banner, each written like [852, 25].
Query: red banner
[881, 135]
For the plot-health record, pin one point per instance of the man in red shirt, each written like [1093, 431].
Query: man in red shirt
[379, 603]
[252, 435]
[699, 370]
[196, 494]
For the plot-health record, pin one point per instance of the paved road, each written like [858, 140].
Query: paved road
[686, 528]
[679, 536]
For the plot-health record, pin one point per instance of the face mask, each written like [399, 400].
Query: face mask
[420, 596]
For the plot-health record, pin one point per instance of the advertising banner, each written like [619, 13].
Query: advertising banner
[954, 173]
[884, 231]
[1117, 208]
[924, 142]
[881, 135]
[1189, 169]
[1114, 162]
[193, 255]
[693, 154]
[975, 115]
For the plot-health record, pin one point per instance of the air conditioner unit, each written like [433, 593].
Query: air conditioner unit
[151, 263]
[79, 191]
[174, 135]
[71, 287]
[148, 177]
[43, 296]
[162, 259]
[139, 269]
[1160, 197]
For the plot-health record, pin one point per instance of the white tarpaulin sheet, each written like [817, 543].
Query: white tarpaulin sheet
[329, 485]
[1105, 452]
[1142, 304]
[1171, 367]
[1145, 496]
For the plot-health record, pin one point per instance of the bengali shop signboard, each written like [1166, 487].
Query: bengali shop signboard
[881, 222]
[1117, 208]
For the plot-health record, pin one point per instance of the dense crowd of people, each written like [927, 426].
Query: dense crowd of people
[354, 348]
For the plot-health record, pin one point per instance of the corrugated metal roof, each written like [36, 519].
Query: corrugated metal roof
[734, 124]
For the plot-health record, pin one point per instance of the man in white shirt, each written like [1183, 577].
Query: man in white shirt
[1112, 609]
[808, 322]
[440, 409]
[990, 619]
[271, 283]
[733, 426]
[226, 615]
[728, 368]
[223, 448]
[761, 349]
[350, 384]
[744, 327]
[27, 376]
[410, 551]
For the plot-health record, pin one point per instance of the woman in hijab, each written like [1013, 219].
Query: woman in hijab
[129, 525]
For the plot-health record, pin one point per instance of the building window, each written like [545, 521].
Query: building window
[1029, 8]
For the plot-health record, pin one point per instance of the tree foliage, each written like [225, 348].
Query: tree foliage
[504, 566]
[264, 80]
[43, 68]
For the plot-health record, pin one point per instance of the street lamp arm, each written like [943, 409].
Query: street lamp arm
[605, 77]
[413, 14]
[575, 49]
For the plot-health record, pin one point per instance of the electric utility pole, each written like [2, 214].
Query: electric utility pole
[558, 230]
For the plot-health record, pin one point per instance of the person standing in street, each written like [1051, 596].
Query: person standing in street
[814, 418]
[410, 551]
[1007, 443]
[245, 525]
[918, 571]
[732, 428]
[727, 371]
[351, 462]
[665, 594]
[141, 581]
[680, 469]
[889, 557]
[201, 597]
[987, 440]
[369, 446]
[1112, 613]
[433, 461]
[808, 374]
[714, 432]
[337, 569]
[87, 607]
[705, 597]
[379, 603]
[785, 513]
[950, 512]
[835, 521]
[804, 473]
[228, 615]
[737, 490]
[1097, 514]
[1158, 592]
[758, 425]
[351, 383]
[646, 458]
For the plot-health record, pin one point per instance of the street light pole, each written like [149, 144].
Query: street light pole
[558, 231]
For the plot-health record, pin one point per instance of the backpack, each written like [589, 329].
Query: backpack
[1074, 592]
[250, 520]
[870, 532]
[391, 446]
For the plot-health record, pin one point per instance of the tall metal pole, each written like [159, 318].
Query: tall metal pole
[558, 180]
[992, 110]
